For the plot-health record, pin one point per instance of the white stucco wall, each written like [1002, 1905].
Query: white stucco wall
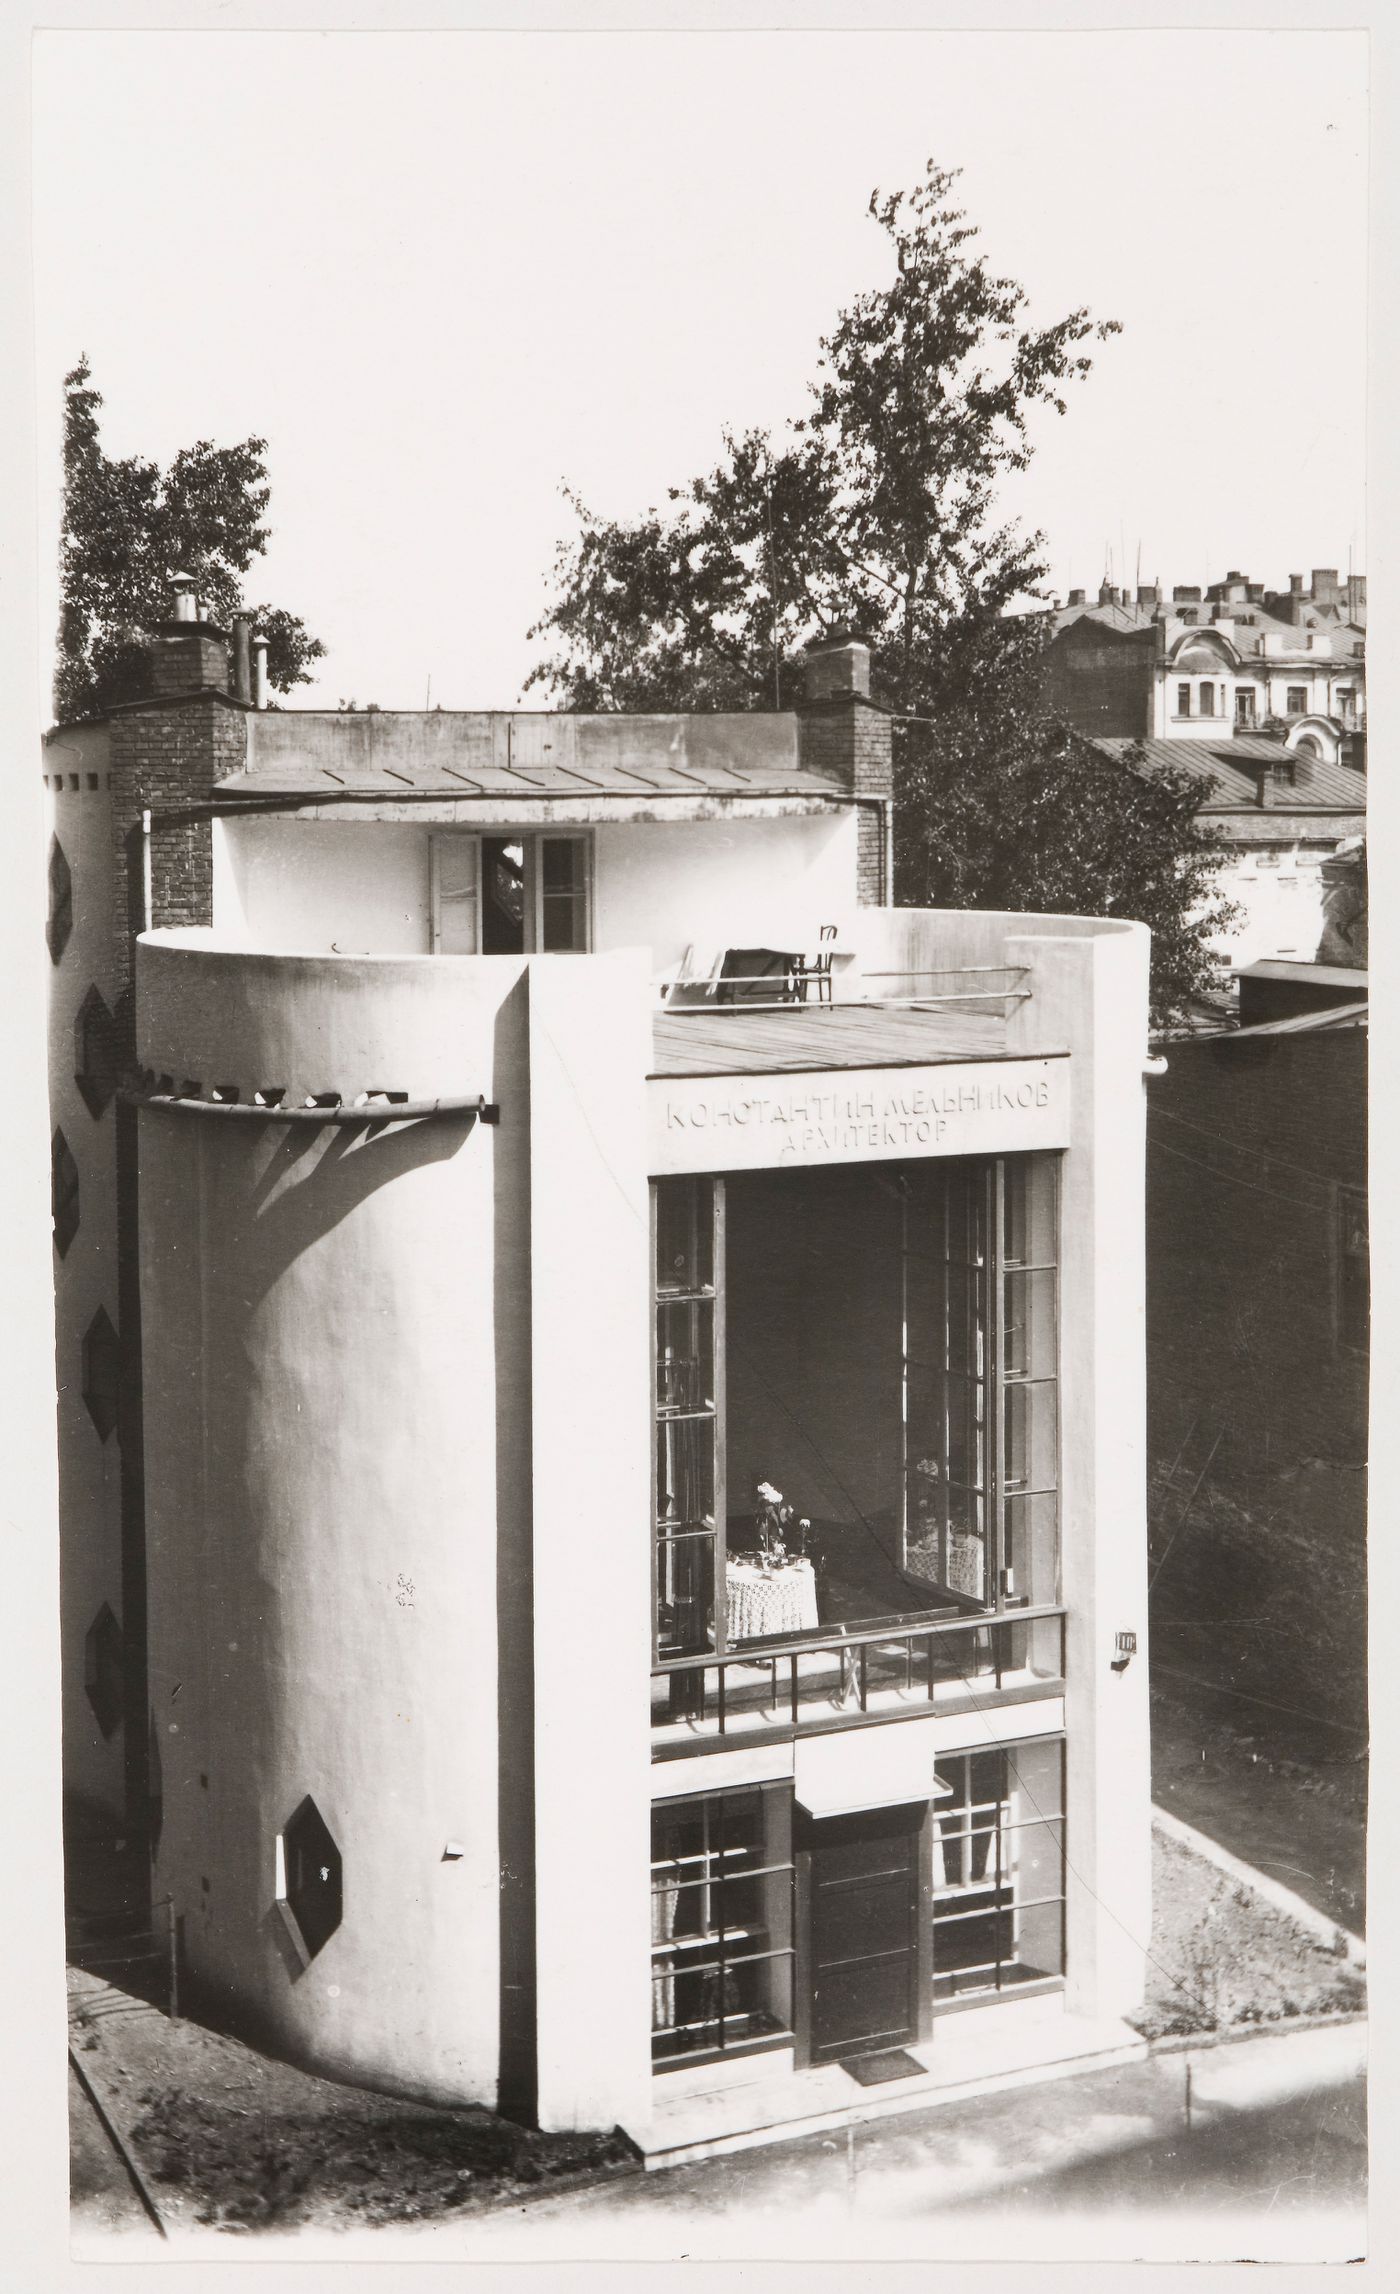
[306, 885]
[659, 884]
[85, 1278]
[1280, 893]
[362, 887]
[337, 1478]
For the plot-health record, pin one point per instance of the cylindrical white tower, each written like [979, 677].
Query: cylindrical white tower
[337, 1499]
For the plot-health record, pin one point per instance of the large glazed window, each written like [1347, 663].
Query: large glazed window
[879, 1346]
[998, 1871]
[721, 1924]
[689, 1250]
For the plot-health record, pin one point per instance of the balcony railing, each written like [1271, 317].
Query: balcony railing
[836, 975]
[831, 1681]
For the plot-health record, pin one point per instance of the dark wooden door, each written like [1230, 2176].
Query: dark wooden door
[864, 1965]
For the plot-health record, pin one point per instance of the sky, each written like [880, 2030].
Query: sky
[446, 274]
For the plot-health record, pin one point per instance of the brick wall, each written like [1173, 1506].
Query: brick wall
[164, 754]
[849, 738]
[1100, 681]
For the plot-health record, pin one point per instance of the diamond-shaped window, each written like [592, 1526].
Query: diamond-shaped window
[102, 1362]
[103, 1675]
[60, 923]
[95, 1065]
[311, 1877]
[64, 1184]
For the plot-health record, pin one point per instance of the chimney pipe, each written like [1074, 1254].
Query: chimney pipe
[186, 603]
[242, 657]
[259, 672]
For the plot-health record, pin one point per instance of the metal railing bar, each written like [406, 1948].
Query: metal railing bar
[849, 1003]
[822, 1645]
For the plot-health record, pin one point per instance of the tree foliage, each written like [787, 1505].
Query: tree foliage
[128, 526]
[879, 510]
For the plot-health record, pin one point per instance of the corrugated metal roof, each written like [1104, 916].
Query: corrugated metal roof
[1320, 788]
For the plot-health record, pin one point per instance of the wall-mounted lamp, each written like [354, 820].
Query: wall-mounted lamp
[1126, 1646]
[452, 1851]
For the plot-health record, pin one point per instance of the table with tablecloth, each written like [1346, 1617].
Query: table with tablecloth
[764, 1602]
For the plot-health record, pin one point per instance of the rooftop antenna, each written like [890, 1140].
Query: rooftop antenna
[428, 697]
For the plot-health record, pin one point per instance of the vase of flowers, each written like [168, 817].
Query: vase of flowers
[778, 1525]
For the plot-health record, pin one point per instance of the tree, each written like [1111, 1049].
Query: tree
[878, 510]
[128, 526]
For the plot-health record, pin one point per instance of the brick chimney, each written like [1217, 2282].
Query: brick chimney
[836, 663]
[846, 736]
[169, 753]
[188, 654]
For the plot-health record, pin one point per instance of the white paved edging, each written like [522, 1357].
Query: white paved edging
[1347, 1946]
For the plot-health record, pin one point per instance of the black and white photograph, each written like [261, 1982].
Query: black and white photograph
[688, 828]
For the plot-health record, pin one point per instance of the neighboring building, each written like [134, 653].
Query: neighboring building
[457, 1219]
[1258, 1342]
[1240, 659]
[1286, 817]
[1263, 693]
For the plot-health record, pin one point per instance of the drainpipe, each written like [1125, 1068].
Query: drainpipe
[146, 870]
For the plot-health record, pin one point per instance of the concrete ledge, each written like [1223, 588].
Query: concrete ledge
[960, 2063]
[1351, 1948]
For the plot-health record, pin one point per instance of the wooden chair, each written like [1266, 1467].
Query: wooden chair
[817, 972]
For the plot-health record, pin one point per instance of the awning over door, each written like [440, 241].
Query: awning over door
[867, 1768]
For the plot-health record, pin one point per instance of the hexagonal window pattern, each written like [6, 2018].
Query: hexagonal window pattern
[103, 1675]
[102, 1364]
[60, 923]
[64, 1192]
[95, 1064]
[309, 1876]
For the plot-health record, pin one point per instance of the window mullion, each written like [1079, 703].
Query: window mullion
[994, 1319]
[652, 1505]
[720, 1376]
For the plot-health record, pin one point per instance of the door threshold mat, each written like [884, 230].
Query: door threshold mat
[890, 2063]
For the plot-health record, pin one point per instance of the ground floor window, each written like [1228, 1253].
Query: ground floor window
[846, 1934]
[721, 1924]
[998, 1870]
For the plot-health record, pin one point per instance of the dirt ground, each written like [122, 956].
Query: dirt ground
[1221, 1956]
[228, 2138]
